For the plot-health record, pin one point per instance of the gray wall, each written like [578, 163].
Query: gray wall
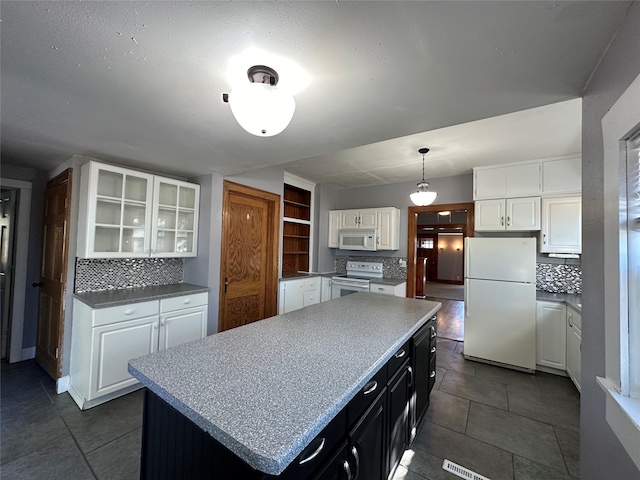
[326, 200]
[601, 454]
[38, 180]
[456, 189]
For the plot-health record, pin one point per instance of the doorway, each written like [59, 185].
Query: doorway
[249, 266]
[8, 210]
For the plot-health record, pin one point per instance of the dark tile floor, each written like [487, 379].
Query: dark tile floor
[500, 423]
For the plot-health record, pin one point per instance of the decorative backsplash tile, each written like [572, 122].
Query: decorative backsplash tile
[390, 265]
[112, 274]
[563, 278]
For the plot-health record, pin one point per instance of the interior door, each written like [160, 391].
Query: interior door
[249, 270]
[55, 244]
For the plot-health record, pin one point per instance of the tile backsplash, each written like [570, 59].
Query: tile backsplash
[112, 274]
[390, 265]
[561, 278]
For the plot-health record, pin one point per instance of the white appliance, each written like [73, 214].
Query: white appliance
[358, 239]
[356, 279]
[500, 301]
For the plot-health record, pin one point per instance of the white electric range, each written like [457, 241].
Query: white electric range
[356, 279]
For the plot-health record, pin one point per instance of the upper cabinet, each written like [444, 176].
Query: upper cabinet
[511, 214]
[386, 221]
[561, 229]
[507, 181]
[175, 214]
[531, 178]
[297, 225]
[126, 214]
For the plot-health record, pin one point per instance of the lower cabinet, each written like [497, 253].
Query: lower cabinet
[298, 293]
[574, 342]
[551, 334]
[424, 366]
[104, 340]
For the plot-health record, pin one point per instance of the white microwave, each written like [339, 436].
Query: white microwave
[358, 239]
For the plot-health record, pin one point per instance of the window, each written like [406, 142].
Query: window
[621, 138]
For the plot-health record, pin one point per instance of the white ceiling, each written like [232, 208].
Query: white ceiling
[141, 83]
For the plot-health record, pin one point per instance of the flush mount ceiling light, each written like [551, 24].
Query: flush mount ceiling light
[260, 107]
[423, 196]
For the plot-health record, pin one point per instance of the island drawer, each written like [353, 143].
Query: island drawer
[319, 449]
[398, 358]
[366, 396]
[184, 301]
[107, 316]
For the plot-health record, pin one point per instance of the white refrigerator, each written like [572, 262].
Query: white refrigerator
[500, 301]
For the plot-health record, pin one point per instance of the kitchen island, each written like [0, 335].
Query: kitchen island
[263, 392]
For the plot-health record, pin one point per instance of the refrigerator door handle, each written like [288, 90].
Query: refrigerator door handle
[466, 299]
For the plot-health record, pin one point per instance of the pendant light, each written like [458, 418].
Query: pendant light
[259, 106]
[423, 196]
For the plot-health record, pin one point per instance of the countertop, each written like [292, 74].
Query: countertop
[266, 389]
[574, 301]
[124, 296]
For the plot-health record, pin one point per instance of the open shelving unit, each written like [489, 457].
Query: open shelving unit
[297, 229]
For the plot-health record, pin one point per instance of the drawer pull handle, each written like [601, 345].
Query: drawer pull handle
[433, 349]
[347, 469]
[129, 311]
[410, 370]
[400, 354]
[187, 301]
[433, 374]
[381, 289]
[370, 389]
[433, 332]
[314, 454]
[354, 451]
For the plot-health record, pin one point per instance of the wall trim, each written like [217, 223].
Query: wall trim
[62, 384]
[27, 354]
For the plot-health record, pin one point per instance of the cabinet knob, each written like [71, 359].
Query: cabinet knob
[187, 301]
[129, 311]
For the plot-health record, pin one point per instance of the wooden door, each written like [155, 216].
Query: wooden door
[53, 277]
[249, 267]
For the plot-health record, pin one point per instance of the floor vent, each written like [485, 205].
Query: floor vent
[461, 472]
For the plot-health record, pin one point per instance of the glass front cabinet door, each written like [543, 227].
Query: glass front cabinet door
[130, 214]
[175, 218]
[116, 212]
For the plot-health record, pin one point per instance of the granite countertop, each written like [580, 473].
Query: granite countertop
[293, 276]
[124, 296]
[266, 389]
[388, 281]
[572, 300]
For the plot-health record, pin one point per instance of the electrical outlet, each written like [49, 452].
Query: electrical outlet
[402, 262]
[548, 277]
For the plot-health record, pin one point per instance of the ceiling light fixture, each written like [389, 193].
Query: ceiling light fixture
[260, 107]
[423, 196]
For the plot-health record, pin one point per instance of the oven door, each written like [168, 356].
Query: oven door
[341, 287]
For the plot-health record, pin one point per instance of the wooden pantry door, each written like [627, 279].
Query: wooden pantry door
[249, 264]
[53, 276]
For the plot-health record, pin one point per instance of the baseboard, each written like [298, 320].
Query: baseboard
[62, 384]
[553, 371]
[28, 353]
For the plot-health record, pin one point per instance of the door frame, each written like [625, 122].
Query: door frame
[273, 248]
[23, 211]
[412, 235]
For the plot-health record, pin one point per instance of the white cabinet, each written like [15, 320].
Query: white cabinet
[561, 225]
[175, 215]
[386, 221]
[511, 214]
[397, 290]
[364, 218]
[325, 289]
[335, 223]
[104, 340]
[298, 293]
[562, 176]
[551, 334]
[128, 214]
[574, 342]
[502, 181]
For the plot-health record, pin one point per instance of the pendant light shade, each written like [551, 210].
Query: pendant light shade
[423, 196]
[259, 106]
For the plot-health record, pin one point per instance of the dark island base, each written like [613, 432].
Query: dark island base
[173, 447]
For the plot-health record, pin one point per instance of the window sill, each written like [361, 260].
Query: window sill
[623, 416]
